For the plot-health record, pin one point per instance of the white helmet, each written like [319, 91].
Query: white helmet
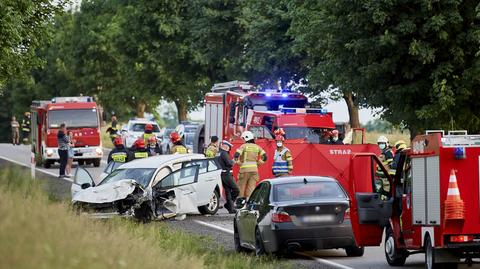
[247, 136]
[382, 139]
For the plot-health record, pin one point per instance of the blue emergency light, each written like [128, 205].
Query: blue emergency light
[460, 153]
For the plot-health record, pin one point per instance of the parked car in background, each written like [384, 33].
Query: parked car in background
[135, 128]
[157, 187]
[295, 213]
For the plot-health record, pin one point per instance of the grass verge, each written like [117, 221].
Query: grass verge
[106, 141]
[36, 232]
[371, 137]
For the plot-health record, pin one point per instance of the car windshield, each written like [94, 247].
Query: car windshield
[140, 127]
[73, 118]
[140, 175]
[320, 190]
[312, 135]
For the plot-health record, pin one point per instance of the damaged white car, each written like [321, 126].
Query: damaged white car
[152, 188]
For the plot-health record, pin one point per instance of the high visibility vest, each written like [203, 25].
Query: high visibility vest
[140, 154]
[147, 136]
[211, 151]
[281, 164]
[120, 157]
[179, 149]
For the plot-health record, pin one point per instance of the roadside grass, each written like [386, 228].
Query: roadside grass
[37, 232]
[371, 137]
[106, 141]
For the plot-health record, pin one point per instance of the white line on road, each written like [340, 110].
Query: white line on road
[319, 260]
[38, 169]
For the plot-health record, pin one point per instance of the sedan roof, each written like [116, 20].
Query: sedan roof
[157, 161]
[295, 179]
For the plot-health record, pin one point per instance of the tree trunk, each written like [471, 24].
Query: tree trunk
[182, 110]
[140, 109]
[352, 110]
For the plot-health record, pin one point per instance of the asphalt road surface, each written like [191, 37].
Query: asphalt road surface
[219, 227]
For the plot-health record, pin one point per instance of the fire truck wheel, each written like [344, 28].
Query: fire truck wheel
[430, 254]
[47, 164]
[395, 256]
[354, 251]
[96, 162]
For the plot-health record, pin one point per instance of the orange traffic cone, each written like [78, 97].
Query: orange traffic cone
[454, 205]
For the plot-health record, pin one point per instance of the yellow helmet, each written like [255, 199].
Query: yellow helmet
[400, 145]
[27, 113]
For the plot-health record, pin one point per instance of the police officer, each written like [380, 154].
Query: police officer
[178, 147]
[140, 151]
[387, 155]
[26, 127]
[212, 149]
[282, 162]
[152, 147]
[148, 132]
[229, 185]
[249, 156]
[119, 154]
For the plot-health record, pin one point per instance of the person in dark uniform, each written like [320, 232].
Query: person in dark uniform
[139, 150]
[119, 154]
[153, 146]
[229, 185]
[334, 140]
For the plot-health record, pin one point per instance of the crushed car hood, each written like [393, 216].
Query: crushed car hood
[106, 193]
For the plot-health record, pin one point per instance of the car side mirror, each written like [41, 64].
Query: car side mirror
[240, 203]
[85, 186]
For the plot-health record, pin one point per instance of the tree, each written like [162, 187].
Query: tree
[24, 26]
[417, 60]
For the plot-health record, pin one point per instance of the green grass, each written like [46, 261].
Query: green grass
[106, 141]
[37, 232]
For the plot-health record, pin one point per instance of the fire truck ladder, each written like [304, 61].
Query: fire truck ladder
[242, 86]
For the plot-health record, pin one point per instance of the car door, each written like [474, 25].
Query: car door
[81, 180]
[207, 179]
[180, 185]
[371, 206]
[254, 209]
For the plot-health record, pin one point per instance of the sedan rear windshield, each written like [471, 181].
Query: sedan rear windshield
[73, 118]
[140, 175]
[320, 190]
[140, 127]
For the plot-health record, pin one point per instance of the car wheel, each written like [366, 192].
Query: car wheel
[354, 251]
[259, 247]
[430, 262]
[81, 162]
[236, 240]
[144, 213]
[212, 207]
[395, 256]
[96, 162]
[47, 164]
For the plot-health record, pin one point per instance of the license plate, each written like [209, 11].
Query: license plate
[318, 218]
[82, 150]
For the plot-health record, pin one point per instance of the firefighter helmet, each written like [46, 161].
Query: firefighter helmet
[247, 136]
[226, 143]
[400, 145]
[175, 137]
[382, 139]
[335, 132]
[148, 127]
[152, 139]
[118, 141]
[279, 138]
[139, 143]
[279, 131]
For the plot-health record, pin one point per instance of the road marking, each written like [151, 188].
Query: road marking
[213, 226]
[323, 261]
[38, 169]
[319, 260]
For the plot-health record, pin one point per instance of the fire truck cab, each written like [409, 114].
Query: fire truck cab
[82, 118]
[436, 203]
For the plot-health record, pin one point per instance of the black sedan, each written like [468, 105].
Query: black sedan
[295, 213]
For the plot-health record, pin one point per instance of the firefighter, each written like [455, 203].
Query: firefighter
[282, 162]
[153, 147]
[212, 149]
[400, 146]
[26, 127]
[228, 183]
[148, 132]
[119, 154]
[249, 156]
[15, 132]
[113, 130]
[387, 155]
[178, 147]
[334, 138]
[140, 151]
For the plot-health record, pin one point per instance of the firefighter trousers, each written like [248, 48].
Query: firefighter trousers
[231, 190]
[247, 182]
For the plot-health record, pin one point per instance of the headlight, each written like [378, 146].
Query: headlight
[99, 151]
[49, 152]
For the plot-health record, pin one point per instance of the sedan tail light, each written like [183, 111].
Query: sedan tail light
[280, 217]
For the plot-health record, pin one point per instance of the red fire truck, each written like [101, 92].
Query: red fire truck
[232, 107]
[436, 206]
[82, 118]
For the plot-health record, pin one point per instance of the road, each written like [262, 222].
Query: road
[219, 226]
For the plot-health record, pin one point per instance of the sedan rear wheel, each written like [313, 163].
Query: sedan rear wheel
[259, 248]
[212, 207]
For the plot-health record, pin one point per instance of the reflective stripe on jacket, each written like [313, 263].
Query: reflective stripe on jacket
[120, 157]
[179, 149]
[211, 151]
[282, 162]
[140, 154]
[250, 156]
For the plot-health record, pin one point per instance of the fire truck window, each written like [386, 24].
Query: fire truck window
[231, 113]
[312, 135]
[261, 132]
[240, 115]
[407, 176]
[381, 184]
[268, 122]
